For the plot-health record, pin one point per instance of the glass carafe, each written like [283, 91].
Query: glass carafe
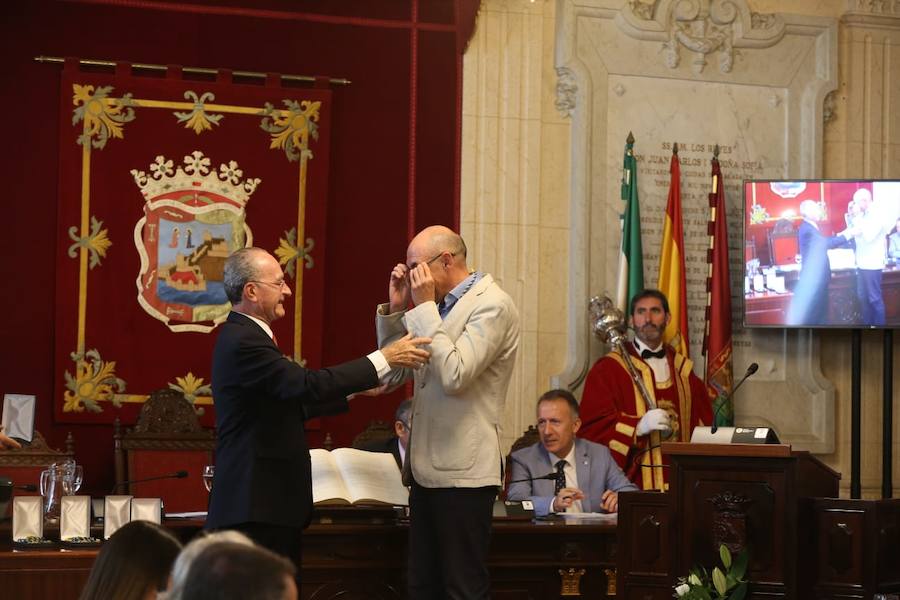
[56, 481]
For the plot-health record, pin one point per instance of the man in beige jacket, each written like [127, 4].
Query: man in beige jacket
[454, 463]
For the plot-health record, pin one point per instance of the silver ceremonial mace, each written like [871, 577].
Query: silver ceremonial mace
[608, 324]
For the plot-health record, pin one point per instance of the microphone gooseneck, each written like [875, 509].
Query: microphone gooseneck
[753, 368]
[175, 475]
[550, 476]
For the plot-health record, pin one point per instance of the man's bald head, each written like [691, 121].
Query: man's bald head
[437, 238]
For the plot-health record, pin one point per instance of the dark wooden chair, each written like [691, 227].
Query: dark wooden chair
[783, 243]
[529, 438]
[376, 434]
[166, 439]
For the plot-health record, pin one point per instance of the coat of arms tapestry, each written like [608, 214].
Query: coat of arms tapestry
[161, 178]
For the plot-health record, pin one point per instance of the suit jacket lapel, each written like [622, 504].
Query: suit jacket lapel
[546, 484]
[464, 306]
[239, 319]
[583, 473]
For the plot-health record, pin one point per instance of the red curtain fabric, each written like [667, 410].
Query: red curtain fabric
[394, 163]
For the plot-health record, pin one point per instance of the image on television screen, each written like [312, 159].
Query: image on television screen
[822, 253]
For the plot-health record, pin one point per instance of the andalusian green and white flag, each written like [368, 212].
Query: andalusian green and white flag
[631, 261]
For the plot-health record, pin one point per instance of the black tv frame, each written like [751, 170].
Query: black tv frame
[744, 233]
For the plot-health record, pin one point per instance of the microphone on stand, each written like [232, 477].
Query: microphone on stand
[753, 368]
[175, 475]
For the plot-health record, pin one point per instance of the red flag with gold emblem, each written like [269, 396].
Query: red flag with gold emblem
[717, 346]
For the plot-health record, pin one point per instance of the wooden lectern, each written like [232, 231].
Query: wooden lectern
[740, 495]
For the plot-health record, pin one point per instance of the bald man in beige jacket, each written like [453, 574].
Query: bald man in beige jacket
[454, 464]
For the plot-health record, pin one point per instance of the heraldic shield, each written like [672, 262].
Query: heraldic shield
[194, 218]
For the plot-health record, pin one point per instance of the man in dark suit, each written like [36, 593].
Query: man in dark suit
[588, 478]
[809, 305]
[262, 483]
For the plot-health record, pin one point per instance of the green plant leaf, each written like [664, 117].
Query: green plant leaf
[740, 565]
[725, 555]
[739, 592]
[718, 578]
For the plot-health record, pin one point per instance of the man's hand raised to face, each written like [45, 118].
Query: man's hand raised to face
[422, 284]
[398, 288]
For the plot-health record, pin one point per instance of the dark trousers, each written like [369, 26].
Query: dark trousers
[868, 288]
[449, 539]
[277, 538]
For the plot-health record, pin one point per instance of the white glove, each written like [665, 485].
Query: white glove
[653, 420]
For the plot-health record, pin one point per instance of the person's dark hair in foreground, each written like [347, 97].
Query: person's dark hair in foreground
[230, 571]
[132, 563]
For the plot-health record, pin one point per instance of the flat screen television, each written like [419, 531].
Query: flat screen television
[821, 253]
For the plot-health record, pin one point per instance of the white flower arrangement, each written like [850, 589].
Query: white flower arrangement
[722, 585]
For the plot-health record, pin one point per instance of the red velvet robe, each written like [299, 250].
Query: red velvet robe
[611, 407]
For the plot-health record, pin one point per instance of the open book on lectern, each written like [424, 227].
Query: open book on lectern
[346, 476]
[734, 435]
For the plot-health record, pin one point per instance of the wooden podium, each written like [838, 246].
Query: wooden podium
[740, 495]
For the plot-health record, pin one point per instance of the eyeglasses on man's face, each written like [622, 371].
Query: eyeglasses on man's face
[279, 284]
[430, 260]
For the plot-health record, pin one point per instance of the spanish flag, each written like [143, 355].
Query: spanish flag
[671, 264]
[631, 256]
[717, 344]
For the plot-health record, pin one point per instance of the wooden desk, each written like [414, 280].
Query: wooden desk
[368, 561]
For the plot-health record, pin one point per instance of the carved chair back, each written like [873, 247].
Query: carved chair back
[166, 439]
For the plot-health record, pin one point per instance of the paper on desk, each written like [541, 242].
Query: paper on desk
[591, 517]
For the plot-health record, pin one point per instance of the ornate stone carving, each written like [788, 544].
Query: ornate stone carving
[876, 7]
[729, 525]
[703, 27]
[566, 91]
[644, 10]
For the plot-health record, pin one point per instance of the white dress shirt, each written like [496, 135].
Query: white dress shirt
[660, 366]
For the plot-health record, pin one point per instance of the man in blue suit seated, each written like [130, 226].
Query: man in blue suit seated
[588, 479]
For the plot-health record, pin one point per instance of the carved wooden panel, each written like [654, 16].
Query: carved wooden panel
[737, 514]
